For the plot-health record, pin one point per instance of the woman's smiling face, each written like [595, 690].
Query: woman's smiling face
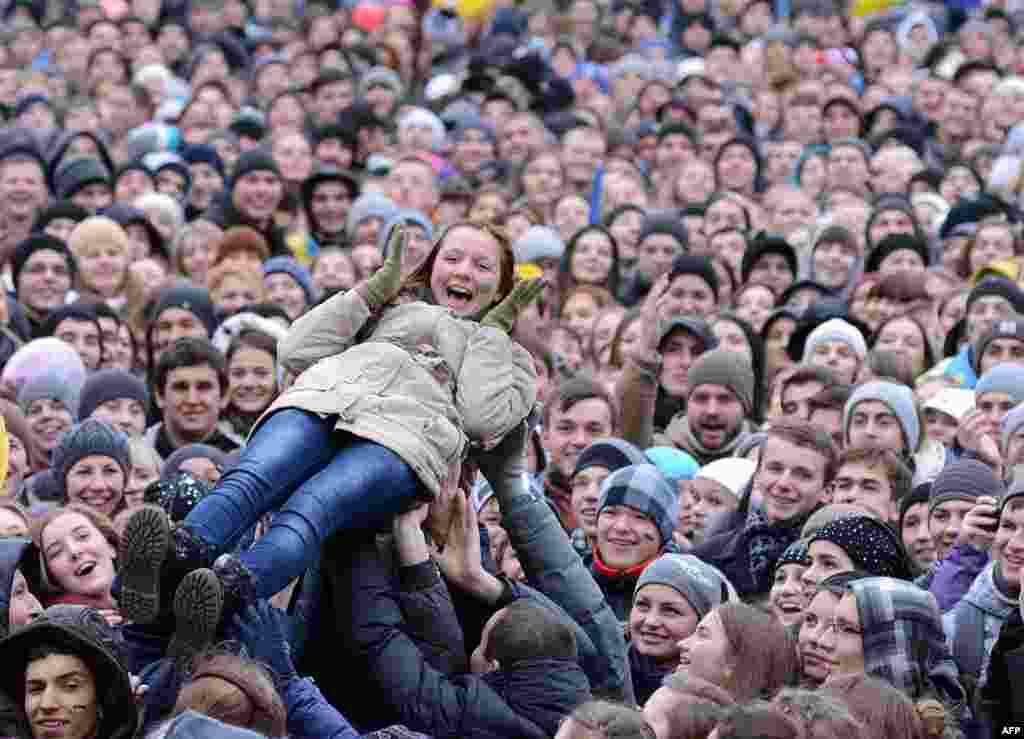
[467, 271]
[78, 557]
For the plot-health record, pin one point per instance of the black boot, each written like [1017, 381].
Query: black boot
[152, 563]
[198, 605]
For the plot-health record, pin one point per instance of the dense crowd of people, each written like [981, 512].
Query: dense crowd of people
[649, 369]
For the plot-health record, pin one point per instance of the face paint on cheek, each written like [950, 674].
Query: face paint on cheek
[488, 286]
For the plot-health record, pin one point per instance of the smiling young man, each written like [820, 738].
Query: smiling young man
[580, 412]
[973, 625]
[719, 401]
[190, 385]
[42, 270]
[797, 464]
[874, 479]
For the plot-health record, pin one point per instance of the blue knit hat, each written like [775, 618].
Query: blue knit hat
[1011, 423]
[203, 154]
[644, 489]
[899, 399]
[1003, 378]
[297, 272]
[403, 217]
[674, 464]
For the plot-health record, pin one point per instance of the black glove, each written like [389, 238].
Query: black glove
[263, 632]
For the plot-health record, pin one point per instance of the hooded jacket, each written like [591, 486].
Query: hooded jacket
[418, 380]
[14, 554]
[993, 607]
[119, 715]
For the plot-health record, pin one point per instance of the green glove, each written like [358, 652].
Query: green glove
[504, 314]
[386, 282]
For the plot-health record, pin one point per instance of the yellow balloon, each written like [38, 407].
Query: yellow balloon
[469, 9]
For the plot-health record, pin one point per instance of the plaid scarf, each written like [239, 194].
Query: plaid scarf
[765, 543]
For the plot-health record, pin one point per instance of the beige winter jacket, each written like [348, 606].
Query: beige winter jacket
[422, 383]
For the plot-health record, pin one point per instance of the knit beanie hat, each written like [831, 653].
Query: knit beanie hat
[193, 299]
[90, 437]
[696, 581]
[172, 465]
[796, 553]
[1007, 328]
[966, 480]
[203, 154]
[644, 489]
[50, 386]
[768, 244]
[1003, 378]
[59, 210]
[872, 545]
[403, 217]
[253, 160]
[899, 399]
[674, 464]
[920, 494]
[955, 402]
[297, 272]
[536, 243]
[1011, 424]
[381, 77]
[836, 329]
[368, 205]
[111, 384]
[1000, 288]
[77, 173]
[1016, 491]
[611, 453]
[38, 242]
[892, 244]
[686, 264]
[732, 473]
[729, 369]
[46, 356]
[98, 231]
[664, 222]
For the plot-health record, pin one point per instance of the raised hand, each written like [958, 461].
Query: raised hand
[386, 283]
[503, 315]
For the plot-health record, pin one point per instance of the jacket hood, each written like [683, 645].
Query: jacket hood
[544, 690]
[120, 718]
[14, 553]
[983, 595]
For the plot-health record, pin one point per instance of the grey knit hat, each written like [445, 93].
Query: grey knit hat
[111, 384]
[77, 173]
[91, 437]
[726, 368]
[644, 489]
[836, 329]
[692, 578]
[965, 480]
[49, 386]
[536, 243]
[381, 77]
[899, 399]
[1007, 328]
[1003, 378]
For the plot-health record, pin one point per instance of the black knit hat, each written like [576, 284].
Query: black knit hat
[61, 209]
[78, 173]
[997, 287]
[90, 437]
[763, 244]
[38, 242]
[920, 494]
[665, 222]
[685, 264]
[110, 384]
[975, 210]
[254, 160]
[193, 299]
[611, 453]
[894, 243]
[872, 545]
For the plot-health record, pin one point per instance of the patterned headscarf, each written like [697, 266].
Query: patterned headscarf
[904, 643]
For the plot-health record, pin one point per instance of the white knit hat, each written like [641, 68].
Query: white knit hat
[732, 473]
[836, 329]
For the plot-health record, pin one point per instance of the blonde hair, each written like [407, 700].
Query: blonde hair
[142, 452]
[210, 234]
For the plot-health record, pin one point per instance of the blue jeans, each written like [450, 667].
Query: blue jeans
[322, 480]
